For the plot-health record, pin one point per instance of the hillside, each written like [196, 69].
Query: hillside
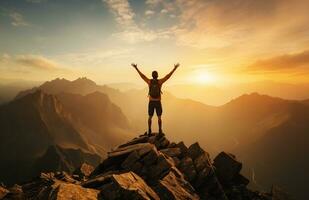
[31, 124]
[148, 167]
[28, 127]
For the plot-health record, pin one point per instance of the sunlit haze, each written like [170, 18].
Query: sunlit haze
[217, 43]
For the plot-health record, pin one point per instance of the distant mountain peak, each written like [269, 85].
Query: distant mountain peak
[84, 80]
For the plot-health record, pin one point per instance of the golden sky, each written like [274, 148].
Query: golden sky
[215, 41]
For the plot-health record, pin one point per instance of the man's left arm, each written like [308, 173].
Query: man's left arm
[165, 78]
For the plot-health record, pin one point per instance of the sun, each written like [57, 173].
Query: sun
[204, 78]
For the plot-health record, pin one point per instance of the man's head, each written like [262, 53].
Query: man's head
[155, 74]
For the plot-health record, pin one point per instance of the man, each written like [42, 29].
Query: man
[154, 94]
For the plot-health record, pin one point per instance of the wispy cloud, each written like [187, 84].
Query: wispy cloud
[31, 62]
[281, 63]
[130, 30]
[122, 11]
[96, 57]
[36, 1]
[37, 62]
[18, 19]
[149, 12]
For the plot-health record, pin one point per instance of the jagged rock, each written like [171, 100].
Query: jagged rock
[141, 149]
[3, 192]
[151, 157]
[227, 167]
[172, 152]
[202, 161]
[161, 143]
[183, 148]
[195, 150]
[162, 166]
[202, 176]
[63, 191]
[130, 160]
[186, 166]
[63, 176]
[174, 186]
[148, 168]
[126, 186]
[84, 170]
[240, 180]
[15, 192]
[172, 145]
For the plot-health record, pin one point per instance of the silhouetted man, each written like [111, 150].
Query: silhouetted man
[154, 94]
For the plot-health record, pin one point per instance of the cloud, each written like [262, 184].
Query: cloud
[242, 23]
[96, 57]
[281, 63]
[30, 62]
[149, 12]
[37, 62]
[122, 11]
[153, 2]
[36, 1]
[130, 30]
[18, 19]
[164, 11]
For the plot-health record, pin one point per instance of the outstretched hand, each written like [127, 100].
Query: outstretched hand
[134, 65]
[176, 65]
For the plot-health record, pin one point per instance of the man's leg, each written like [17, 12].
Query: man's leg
[159, 113]
[150, 114]
[160, 124]
[149, 124]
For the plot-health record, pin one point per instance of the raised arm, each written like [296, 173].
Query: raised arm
[147, 80]
[165, 78]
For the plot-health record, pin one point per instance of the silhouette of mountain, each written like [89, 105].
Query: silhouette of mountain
[81, 86]
[31, 124]
[147, 167]
[101, 121]
[28, 126]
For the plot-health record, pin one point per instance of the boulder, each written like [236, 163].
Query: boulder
[141, 139]
[3, 192]
[161, 167]
[240, 180]
[186, 166]
[174, 186]
[202, 161]
[183, 148]
[64, 191]
[132, 158]
[202, 176]
[161, 142]
[227, 167]
[126, 186]
[141, 149]
[151, 157]
[172, 152]
[15, 192]
[195, 150]
[84, 170]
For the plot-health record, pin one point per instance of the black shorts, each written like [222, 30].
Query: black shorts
[154, 105]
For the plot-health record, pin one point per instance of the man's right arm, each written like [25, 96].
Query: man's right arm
[147, 80]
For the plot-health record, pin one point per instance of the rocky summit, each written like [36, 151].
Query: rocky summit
[148, 168]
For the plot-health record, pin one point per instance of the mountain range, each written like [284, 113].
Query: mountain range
[269, 134]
